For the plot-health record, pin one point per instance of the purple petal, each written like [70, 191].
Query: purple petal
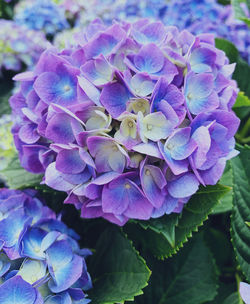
[183, 186]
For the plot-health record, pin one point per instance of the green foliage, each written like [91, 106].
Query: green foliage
[229, 48]
[234, 298]
[242, 101]
[166, 235]
[241, 209]
[118, 272]
[226, 202]
[239, 12]
[189, 277]
[242, 70]
[18, 178]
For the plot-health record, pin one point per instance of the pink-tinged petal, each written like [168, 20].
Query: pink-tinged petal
[209, 103]
[213, 174]
[69, 162]
[59, 129]
[150, 149]
[153, 181]
[25, 76]
[114, 98]
[55, 180]
[176, 166]
[154, 32]
[107, 153]
[28, 133]
[199, 85]
[183, 152]
[124, 195]
[203, 140]
[150, 59]
[94, 188]
[31, 158]
[90, 90]
[183, 186]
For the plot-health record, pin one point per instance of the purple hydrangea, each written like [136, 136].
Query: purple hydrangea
[19, 46]
[130, 122]
[40, 259]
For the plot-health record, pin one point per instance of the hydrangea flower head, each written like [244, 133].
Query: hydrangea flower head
[41, 15]
[135, 112]
[7, 147]
[19, 46]
[40, 260]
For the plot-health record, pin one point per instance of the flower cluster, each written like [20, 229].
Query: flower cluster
[208, 16]
[40, 260]
[19, 46]
[129, 123]
[7, 148]
[41, 15]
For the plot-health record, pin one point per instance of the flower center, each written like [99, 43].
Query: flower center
[130, 124]
[189, 96]
[67, 88]
[149, 127]
[127, 186]
[170, 146]
[114, 148]
[147, 172]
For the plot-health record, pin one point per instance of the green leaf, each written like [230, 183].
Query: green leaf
[238, 11]
[229, 48]
[242, 76]
[190, 277]
[5, 93]
[242, 101]
[118, 272]
[226, 202]
[163, 225]
[241, 209]
[175, 230]
[234, 298]
[17, 177]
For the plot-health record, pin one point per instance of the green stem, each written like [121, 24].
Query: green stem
[238, 280]
[245, 129]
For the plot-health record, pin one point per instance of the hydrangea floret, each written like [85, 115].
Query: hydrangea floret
[19, 46]
[41, 15]
[40, 259]
[130, 122]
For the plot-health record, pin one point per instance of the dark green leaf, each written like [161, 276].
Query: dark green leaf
[241, 209]
[17, 178]
[172, 230]
[226, 202]
[228, 47]
[242, 76]
[118, 272]
[189, 277]
[234, 298]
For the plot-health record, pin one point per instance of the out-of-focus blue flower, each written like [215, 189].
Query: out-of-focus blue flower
[40, 259]
[41, 15]
[19, 46]
[208, 16]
